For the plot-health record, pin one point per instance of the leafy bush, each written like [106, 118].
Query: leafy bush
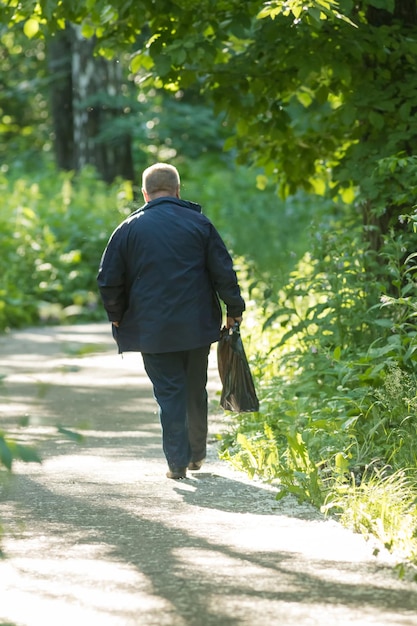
[54, 229]
[335, 365]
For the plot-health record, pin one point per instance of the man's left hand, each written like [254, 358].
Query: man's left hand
[231, 321]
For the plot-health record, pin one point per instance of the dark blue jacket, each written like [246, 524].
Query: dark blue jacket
[160, 277]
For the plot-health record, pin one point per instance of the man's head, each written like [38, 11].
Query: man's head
[160, 180]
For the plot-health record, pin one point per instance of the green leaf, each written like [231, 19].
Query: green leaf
[87, 30]
[269, 11]
[178, 56]
[6, 457]
[31, 28]
[71, 434]
[162, 64]
[385, 323]
[141, 61]
[28, 454]
[376, 120]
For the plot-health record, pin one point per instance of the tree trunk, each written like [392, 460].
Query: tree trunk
[87, 108]
[59, 65]
[405, 11]
[376, 226]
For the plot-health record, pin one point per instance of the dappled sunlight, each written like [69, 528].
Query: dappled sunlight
[92, 549]
[96, 589]
[97, 534]
[79, 377]
[214, 563]
[53, 339]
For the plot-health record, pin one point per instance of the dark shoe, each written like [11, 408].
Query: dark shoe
[177, 473]
[194, 466]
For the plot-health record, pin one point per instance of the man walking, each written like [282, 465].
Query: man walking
[160, 279]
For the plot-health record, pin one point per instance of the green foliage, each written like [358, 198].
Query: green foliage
[181, 127]
[24, 123]
[160, 125]
[11, 450]
[257, 454]
[301, 101]
[335, 366]
[383, 505]
[254, 222]
[54, 229]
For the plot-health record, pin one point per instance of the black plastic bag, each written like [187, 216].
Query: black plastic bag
[238, 393]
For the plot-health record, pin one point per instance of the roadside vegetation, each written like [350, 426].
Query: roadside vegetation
[333, 351]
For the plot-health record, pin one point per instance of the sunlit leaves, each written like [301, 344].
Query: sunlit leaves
[308, 10]
[347, 195]
[271, 9]
[261, 182]
[141, 61]
[87, 30]
[31, 28]
[304, 82]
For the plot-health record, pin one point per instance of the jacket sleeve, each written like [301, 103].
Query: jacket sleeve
[222, 274]
[111, 277]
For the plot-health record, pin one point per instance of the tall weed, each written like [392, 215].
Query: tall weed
[383, 505]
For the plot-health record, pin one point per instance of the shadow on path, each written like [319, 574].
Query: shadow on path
[180, 562]
[97, 534]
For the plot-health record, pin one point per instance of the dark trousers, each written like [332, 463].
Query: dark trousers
[179, 382]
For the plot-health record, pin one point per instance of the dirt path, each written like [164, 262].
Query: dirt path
[97, 535]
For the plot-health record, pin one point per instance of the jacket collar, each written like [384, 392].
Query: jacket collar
[172, 200]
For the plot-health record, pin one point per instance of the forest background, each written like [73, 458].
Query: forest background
[294, 125]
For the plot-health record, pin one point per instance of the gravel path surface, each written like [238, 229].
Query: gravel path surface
[97, 535]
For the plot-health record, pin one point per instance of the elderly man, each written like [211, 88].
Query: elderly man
[160, 279]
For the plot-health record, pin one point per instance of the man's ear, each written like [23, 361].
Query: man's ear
[178, 192]
[145, 195]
